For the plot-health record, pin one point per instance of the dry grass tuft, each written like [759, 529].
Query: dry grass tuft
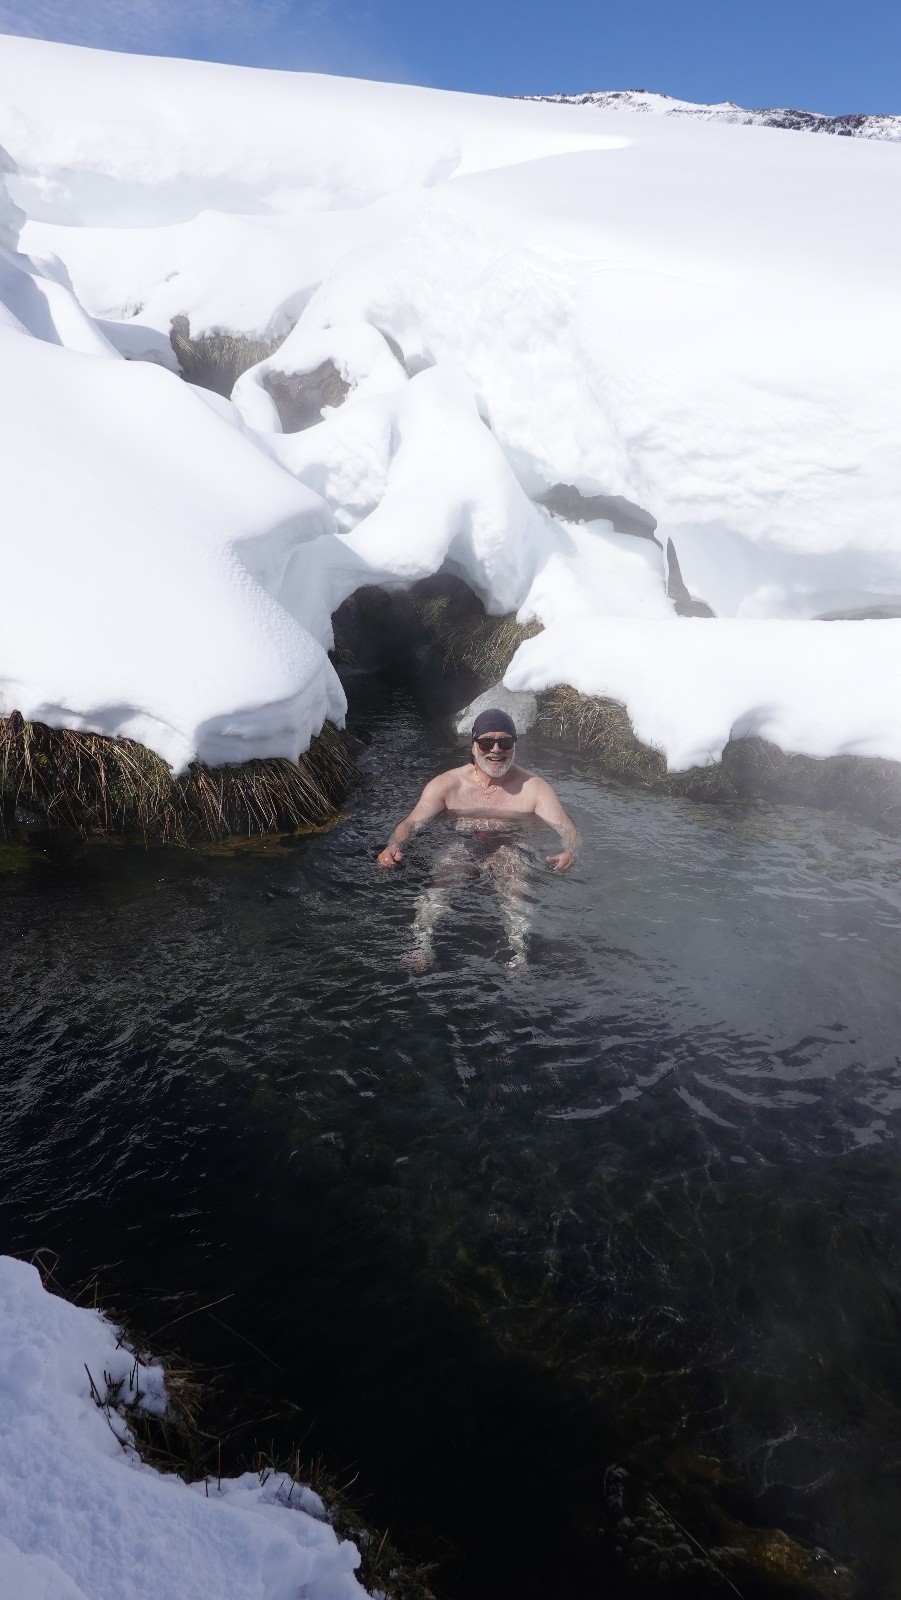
[173, 1442]
[216, 360]
[84, 783]
[486, 645]
[383, 1570]
[602, 727]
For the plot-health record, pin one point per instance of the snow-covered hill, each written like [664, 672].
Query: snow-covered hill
[853, 125]
[695, 320]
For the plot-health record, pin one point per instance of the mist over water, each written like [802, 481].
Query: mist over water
[491, 1230]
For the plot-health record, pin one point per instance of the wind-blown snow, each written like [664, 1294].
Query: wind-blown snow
[83, 1519]
[696, 318]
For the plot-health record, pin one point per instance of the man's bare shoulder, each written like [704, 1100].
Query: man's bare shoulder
[534, 784]
[445, 783]
[539, 795]
[453, 776]
[528, 782]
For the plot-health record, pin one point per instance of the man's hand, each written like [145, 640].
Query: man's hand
[549, 809]
[562, 861]
[429, 804]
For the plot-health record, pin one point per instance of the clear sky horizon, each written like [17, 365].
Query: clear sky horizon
[821, 55]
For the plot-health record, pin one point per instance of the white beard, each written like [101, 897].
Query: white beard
[492, 769]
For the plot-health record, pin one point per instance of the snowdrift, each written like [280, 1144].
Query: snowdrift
[689, 322]
[84, 1519]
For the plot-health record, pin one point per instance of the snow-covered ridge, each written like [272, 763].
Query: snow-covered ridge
[853, 125]
[83, 1519]
[506, 301]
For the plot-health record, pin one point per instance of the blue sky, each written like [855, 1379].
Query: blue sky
[827, 55]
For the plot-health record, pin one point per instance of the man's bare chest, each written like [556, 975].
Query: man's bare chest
[472, 799]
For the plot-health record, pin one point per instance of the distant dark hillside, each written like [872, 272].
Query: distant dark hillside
[854, 125]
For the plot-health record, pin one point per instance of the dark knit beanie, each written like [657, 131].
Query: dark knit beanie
[493, 721]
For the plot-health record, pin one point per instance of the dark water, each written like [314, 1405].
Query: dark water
[491, 1231]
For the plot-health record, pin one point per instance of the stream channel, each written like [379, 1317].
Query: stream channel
[478, 1235]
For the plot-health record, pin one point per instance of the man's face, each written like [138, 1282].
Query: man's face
[490, 757]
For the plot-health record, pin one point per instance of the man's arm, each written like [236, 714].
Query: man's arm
[549, 809]
[430, 804]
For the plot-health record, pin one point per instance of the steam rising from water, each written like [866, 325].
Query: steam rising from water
[659, 1162]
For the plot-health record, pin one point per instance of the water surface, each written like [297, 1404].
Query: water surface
[490, 1231]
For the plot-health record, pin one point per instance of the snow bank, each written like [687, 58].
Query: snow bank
[145, 541]
[83, 1519]
[658, 312]
[707, 354]
[693, 687]
[147, 538]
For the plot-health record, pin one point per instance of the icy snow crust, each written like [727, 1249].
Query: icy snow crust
[697, 318]
[84, 1519]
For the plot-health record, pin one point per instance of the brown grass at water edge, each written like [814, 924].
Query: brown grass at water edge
[750, 768]
[602, 727]
[865, 785]
[484, 645]
[172, 1443]
[216, 360]
[85, 783]
[384, 1570]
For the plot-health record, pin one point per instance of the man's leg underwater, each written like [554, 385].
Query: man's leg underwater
[508, 868]
[431, 905]
[453, 867]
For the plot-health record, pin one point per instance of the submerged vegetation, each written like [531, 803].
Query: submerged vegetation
[659, 1556]
[58, 780]
[694, 1544]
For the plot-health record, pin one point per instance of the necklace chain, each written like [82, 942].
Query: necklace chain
[487, 787]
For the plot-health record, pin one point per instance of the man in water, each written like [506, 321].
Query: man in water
[492, 801]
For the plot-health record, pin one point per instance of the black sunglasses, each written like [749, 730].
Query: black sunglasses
[487, 741]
